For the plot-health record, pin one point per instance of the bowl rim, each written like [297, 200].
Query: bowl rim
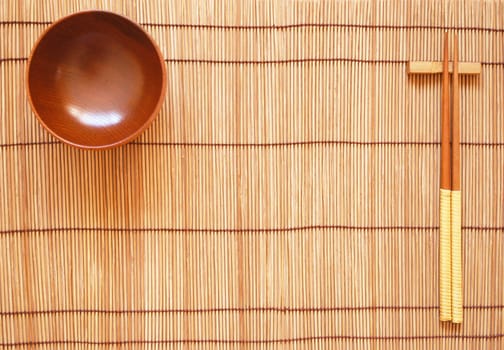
[143, 127]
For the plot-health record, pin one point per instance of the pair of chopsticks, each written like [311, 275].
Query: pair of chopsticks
[450, 269]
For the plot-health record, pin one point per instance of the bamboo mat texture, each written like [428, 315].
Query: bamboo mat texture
[287, 195]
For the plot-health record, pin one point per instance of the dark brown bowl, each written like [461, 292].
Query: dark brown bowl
[96, 79]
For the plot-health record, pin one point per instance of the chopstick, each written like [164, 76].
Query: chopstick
[445, 275]
[456, 235]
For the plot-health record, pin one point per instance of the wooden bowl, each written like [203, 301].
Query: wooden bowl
[96, 80]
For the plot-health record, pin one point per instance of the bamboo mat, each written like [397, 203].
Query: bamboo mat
[285, 197]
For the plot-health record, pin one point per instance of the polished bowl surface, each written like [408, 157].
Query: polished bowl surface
[96, 79]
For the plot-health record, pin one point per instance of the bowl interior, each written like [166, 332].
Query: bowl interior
[95, 79]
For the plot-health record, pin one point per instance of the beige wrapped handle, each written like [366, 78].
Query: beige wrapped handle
[445, 251]
[456, 257]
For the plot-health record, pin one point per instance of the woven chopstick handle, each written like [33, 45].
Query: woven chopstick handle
[445, 275]
[456, 257]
